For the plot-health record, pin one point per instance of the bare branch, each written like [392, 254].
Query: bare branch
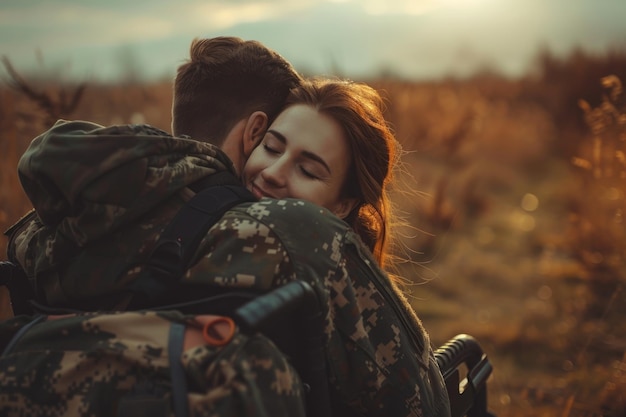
[55, 108]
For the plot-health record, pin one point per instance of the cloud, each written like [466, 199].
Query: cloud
[216, 15]
[65, 26]
[411, 7]
[414, 38]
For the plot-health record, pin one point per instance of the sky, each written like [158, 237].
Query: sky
[108, 40]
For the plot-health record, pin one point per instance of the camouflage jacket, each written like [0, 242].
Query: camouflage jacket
[378, 353]
[379, 358]
[102, 197]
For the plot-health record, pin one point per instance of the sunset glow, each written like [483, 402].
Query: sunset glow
[413, 38]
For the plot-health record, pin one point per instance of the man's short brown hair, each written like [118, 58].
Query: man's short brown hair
[225, 80]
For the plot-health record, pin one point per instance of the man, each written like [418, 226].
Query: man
[102, 197]
[110, 209]
[243, 82]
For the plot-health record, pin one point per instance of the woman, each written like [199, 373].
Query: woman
[331, 146]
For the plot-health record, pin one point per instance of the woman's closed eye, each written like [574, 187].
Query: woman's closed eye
[308, 173]
[270, 149]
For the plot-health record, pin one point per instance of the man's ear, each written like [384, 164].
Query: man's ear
[343, 208]
[254, 130]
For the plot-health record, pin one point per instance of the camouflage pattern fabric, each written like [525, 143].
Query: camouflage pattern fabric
[119, 364]
[378, 354]
[86, 182]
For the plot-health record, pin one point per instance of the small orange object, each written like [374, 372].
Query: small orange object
[219, 330]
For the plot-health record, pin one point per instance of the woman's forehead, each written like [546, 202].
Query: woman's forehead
[306, 130]
[304, 121]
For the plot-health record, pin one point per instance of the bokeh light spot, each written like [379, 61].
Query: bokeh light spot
[530, 202]
[544, 293]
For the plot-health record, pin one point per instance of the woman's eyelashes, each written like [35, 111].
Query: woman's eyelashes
[309, 174]
[269, 149]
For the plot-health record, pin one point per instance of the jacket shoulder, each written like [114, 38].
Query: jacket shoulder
[289, 213]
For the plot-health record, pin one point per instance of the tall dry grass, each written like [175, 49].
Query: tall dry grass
[512, 197]
[600, 215]
[598, 234]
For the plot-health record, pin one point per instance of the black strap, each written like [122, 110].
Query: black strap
[178, 243]
[15, 279]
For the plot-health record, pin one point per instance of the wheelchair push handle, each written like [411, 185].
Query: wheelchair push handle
[468, 397]
[296, 297]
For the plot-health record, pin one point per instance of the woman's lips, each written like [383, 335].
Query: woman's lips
[259, 192]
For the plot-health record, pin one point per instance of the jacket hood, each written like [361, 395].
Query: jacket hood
[85, 180]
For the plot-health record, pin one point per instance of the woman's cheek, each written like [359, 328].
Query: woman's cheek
[253, 166]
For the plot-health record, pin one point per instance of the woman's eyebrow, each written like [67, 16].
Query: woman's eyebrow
[307, 154]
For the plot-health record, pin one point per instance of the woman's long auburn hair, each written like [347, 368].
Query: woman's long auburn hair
[358, 109]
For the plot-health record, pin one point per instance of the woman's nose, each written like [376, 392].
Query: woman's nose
[275, 174]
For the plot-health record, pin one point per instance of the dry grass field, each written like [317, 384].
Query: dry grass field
[511, 196]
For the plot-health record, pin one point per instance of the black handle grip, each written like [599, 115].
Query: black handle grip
[294, 298]
[467, 397]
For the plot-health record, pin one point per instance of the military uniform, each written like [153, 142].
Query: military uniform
[104, 210]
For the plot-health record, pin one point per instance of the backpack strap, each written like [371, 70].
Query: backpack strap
[9, 347]
[14, 278]
[171, 256]
[177, 373]
[174, 251]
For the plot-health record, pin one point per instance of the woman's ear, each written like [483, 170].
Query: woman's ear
[344, 207]
[255, 128]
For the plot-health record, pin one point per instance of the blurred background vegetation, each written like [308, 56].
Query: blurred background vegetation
[512, 196]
